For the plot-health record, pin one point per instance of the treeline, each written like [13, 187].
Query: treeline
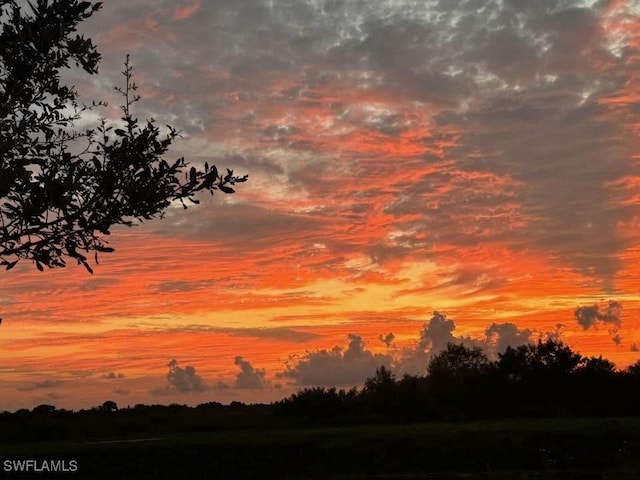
[460, 383]
[46, 423]
[530, 381]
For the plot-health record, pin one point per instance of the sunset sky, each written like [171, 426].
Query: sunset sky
[479, 158]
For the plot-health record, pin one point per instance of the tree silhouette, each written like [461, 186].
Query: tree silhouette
[108, 406]
[542, 378]
[455, 375]
[381, 392]
[458, 361]
[596, 367]
[62, 189]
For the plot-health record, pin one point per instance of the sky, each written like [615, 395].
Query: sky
[477, 158]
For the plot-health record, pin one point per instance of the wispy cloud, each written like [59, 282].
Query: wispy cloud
[45, 384]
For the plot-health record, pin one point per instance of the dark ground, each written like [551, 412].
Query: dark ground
[595, 448]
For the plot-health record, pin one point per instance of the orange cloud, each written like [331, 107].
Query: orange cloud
[187, 11]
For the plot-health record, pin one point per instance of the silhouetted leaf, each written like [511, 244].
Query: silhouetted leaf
[10, 265]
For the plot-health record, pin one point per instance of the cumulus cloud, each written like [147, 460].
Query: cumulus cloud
[181, 380]
[436, 333]
[501, 336]
[41, 385]
[185, 379]
[332, 367]
[249, 377]
[336, 367]
[589, 315]
[439, 331]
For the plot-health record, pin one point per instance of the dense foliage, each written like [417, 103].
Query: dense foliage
[530, 381]
[63, 189]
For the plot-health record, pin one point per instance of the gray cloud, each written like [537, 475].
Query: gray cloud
[112, 375]
[335, 367]
[439, 331]
[249, 226]
[41, 385]
[634, 347]
[504, 335]
[181, 380]
[616, 338]
[177, 286]
[220, 385]
[121, 391]
[185, 379]
[514, 91]
[249, 377]
[436, 333]
[589, 315]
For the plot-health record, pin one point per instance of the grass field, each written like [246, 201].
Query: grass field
[536, 449]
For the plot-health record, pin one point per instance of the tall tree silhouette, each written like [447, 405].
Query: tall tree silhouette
[540, 379]
[62, 189]
[455, 375]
